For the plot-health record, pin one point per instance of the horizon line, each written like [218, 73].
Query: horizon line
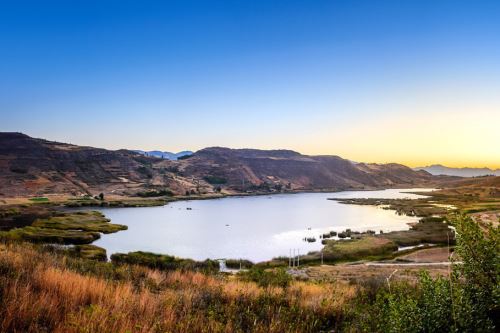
[414, 166]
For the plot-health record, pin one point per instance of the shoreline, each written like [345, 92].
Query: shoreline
[356, 232]
[61, 200]
[60, 206]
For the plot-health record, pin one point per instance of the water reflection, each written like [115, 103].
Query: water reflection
[255, 228]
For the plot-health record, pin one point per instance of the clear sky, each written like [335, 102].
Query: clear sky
[409, 81]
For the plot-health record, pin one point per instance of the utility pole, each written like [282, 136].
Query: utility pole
[298, 258]
[321, 257]
[290, 258]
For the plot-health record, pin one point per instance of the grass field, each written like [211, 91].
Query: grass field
[163, 262]
[47, 292]
[356, 249]
[431, 231]
[85, 221]
[44, 235]
[64, 228]
[39, 199]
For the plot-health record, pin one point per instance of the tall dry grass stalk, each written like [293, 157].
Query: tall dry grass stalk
[43, 292]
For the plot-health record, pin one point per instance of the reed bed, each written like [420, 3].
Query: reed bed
[48, 292]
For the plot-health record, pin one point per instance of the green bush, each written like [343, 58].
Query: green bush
[238, 263]
[164, 262]
[155, 193]
[277, 277]
[466, 301]
[215, 180]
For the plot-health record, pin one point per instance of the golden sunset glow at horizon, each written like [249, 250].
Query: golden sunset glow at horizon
[441, 130]
[453, 139]
[409, 82]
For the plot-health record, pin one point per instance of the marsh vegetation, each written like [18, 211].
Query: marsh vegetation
[164, 262]
[255, 228]
[50, 292]
[50, 289]
[64, 228]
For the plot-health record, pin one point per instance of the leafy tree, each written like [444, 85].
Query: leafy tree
[466, 301]
[479, 293]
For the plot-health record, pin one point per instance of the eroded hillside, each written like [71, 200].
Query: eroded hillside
[30, 166]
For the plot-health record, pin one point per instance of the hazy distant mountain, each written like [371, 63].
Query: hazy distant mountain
[164, 154]
[438, 169]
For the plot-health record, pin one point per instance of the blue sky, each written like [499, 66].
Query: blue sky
[361, 79]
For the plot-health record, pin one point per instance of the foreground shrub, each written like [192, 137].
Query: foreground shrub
[46, 292]
[466, 301]
[239, 263]
[164, 262]
[277, 277]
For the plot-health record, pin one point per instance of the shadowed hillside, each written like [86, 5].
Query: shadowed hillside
[30, 166]
[244, 169]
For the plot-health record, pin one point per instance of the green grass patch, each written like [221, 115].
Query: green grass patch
[63, 228]
[84, 221]
[426, 231]
[44, 235]
[164, 262]
[90, 252]
[357, 249]
[39, 199]
[481, 207]
[409, 207]
[277, 277]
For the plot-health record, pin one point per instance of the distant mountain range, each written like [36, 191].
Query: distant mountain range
[30, 166]
[438, 169]
[164, 154]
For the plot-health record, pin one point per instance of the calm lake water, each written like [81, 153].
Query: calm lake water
[256, 228]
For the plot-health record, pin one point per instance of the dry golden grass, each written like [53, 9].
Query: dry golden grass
[43, 292]
[360, 273]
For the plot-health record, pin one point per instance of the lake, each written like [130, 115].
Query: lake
[257, 228]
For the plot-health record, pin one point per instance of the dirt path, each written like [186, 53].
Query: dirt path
[408, 264]
[433, 260]
[433, 255]
[347, 272]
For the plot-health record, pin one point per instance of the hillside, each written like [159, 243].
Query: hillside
[35, 166]
[30, 166]
[244, 169]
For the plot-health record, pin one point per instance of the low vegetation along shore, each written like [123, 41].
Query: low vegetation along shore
[75, 288]
[64, 228]
[46, 288]
[434, 210]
